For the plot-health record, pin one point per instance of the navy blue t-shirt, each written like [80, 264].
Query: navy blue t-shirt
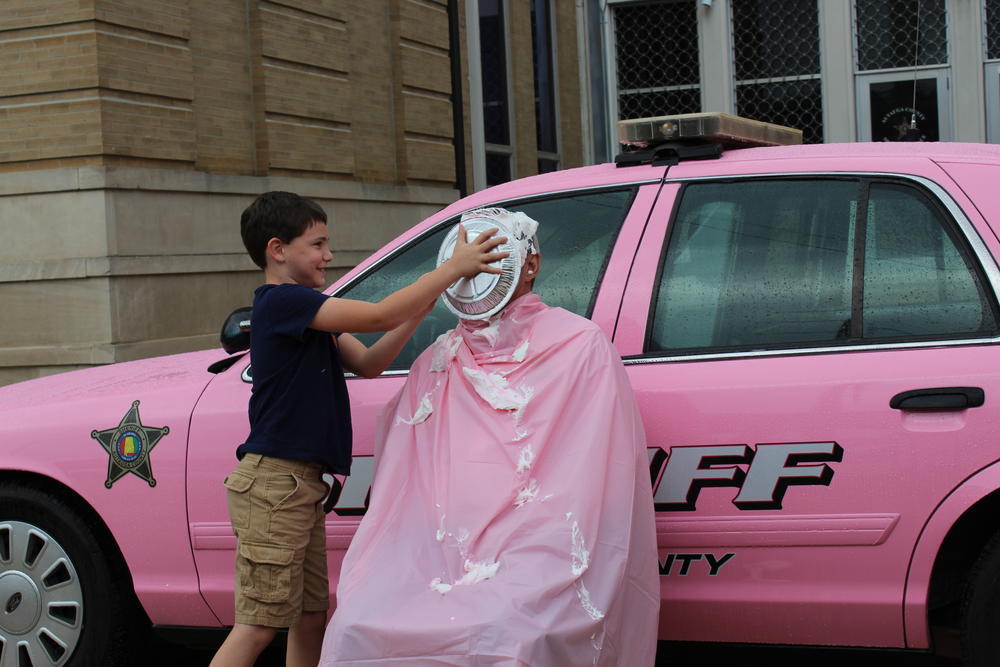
[299, 407]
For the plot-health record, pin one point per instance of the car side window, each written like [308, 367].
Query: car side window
[576, 234]
[771, 264]
[917, 283]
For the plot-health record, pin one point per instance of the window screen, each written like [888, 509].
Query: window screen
[777, 65]
[900, 33]
[992, 29]
[656, 58]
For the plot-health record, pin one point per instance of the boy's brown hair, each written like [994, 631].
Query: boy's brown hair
[276, 214]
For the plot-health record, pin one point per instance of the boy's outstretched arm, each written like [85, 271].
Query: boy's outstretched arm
[469, 259]
[369, 362]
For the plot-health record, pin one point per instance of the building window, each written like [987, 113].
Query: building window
[776, 64]
[902, 70]
[656, 56]
[896, 34]
[497, 166]
[992, 70]
[496, 91]
[992, 29]
[543, 60]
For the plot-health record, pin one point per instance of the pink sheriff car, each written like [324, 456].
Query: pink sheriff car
[812, 335]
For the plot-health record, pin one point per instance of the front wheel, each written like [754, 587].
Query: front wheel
[60, 603]
[981, 609]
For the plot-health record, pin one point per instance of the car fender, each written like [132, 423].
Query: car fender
[67, 428]
[929, 543]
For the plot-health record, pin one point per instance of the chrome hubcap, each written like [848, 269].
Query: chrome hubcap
[41, 601]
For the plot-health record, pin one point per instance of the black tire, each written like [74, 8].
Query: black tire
[980, 629]
[63, 601]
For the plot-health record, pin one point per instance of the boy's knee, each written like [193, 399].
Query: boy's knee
[258, 635]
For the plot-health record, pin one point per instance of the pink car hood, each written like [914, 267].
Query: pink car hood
[130, 378]
[60, 411]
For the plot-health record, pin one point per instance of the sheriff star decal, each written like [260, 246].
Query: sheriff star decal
[128, 446]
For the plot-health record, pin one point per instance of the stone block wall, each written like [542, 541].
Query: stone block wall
[134, 132]
[119, 263]
[356, 90]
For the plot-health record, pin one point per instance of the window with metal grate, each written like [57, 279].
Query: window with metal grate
[776, 64]
[656, 57]
[993, 29]
[900, 33]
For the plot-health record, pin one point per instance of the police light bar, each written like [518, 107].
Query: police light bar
[720, 128]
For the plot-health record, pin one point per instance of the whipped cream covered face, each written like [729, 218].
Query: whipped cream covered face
[486, 294]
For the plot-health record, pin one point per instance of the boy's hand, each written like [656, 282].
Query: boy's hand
[415, 299]
[470, 259]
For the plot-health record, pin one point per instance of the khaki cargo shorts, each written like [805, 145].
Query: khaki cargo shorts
[275, 506]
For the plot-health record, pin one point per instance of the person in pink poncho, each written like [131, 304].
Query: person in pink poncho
[511, 516]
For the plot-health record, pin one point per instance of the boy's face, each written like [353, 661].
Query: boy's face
[306, 256]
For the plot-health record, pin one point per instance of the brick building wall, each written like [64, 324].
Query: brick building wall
[329, 88]
[134, 132]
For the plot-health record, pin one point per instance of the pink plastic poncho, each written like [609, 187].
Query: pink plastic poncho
[511, 516]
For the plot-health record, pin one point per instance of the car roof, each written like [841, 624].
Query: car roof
[600, 175]
[608, 174]
[889, 149]
[732, 161]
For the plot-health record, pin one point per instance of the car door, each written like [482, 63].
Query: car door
[774, 327]
[587, 237]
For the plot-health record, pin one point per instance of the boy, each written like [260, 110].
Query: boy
[300, 416]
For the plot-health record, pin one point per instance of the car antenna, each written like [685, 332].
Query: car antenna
[912, 132]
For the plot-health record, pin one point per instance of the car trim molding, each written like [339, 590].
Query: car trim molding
[794, 530]
[830, 349]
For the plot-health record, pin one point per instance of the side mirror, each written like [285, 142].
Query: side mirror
[235, 335]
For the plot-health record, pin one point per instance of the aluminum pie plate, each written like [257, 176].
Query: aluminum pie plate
[486, 294]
